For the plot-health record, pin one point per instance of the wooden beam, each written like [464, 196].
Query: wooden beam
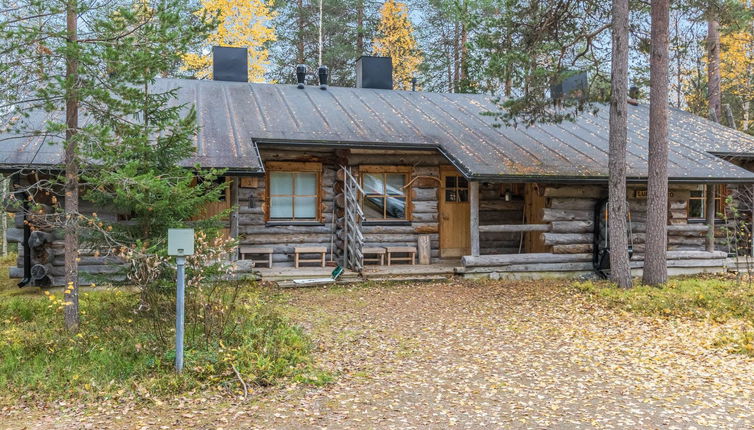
[513, 228]
[710, 206]
[474, 218]
[508, 259]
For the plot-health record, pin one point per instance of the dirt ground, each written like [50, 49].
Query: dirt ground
[469, 355]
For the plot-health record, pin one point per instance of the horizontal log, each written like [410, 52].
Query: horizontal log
[534, 267]
[576, 191]
[549, 215]
[572, 226]
[250, 230]
[567, 203]
[513, 228]
[508, 259]
[501, 205]
[696, 228]
[578, 248]
[687, 255]
[425, 206]
[300, 239]
[424, 217]
[566, 238]
[419, 194]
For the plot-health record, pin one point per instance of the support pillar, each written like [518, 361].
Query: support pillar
[709, 206]
[474, 218]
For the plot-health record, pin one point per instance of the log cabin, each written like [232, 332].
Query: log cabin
[373, 178]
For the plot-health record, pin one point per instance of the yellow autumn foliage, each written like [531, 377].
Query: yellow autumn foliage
[737, 64]
[395, 39]
[242, 23]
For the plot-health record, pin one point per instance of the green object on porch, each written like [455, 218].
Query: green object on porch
[334, 275]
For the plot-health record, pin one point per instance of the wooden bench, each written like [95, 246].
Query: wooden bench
[246, 253]
[410, 250]
[379, 252]
[299, 250]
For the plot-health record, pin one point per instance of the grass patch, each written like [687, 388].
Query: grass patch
[716, 298]
[122, 352]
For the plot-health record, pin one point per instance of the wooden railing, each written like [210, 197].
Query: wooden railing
[353, 238]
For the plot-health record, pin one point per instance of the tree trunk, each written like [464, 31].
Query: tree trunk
[4, 183]
[71, 296]
[655, 260]
[360, 27]
[300, 59]
[713, 64]
[620, 271]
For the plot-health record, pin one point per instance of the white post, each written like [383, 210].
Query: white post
[179, 317]
[474, 218]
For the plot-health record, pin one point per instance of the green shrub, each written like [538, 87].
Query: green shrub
[121, 350]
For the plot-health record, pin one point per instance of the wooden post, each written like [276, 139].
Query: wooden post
[710, 209]
[234, 215]
[474, 218]
[4, 214]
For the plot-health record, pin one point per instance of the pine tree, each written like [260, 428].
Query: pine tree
[737, 74]
[241, 23]
[103, 72]
[620, 271]
[655, 255]
[345, 25]
[395, 39]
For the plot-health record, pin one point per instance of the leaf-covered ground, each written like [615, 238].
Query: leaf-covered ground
[470, 355]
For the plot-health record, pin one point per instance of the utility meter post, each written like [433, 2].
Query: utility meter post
[180, 244]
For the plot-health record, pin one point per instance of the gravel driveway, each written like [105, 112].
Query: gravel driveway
[478, 355]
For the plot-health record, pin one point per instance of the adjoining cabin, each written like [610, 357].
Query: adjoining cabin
[374, 178]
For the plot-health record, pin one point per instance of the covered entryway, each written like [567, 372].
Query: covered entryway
[454, 213]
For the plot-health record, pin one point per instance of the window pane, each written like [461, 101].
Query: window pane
[395, 183]
[696, 208]
[373, 183]
[450, 181]
[373, 207]
[281, 183]
[396, 208]
[281, 207]
[697, 193]
[450, 195]
[306, 184]
[305, 207]
[463, 195]
[462, 182]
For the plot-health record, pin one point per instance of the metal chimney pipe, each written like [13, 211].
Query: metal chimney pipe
[323, 74]
[301, 76]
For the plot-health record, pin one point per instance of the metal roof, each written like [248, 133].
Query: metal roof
[234, 116]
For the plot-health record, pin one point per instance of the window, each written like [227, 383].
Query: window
[456, 189]
[698, 199]
[385, 195]
[293, 195]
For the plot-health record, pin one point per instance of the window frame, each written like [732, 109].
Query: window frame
[721, 193]
[406, 171]
[293, 168]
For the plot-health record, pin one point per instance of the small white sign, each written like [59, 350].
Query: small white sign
[181, 241]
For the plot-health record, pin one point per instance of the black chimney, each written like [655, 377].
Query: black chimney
[323, 73]
[374, 72]
[301, 76]
[230, 64]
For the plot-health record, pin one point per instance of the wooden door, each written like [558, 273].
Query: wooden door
[455, 214]
[534, 202]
